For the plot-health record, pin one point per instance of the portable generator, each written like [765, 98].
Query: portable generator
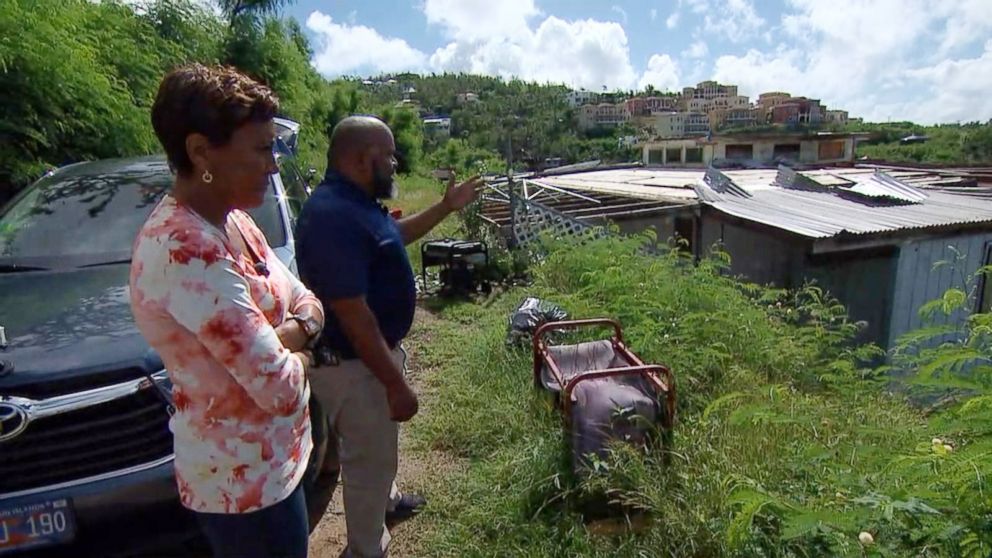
[462, 265]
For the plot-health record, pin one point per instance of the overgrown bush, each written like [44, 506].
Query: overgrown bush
[786, 444]
[969, 143]
[465, 159]
[77, 79]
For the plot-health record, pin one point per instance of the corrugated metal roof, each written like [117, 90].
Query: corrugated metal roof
[971, 175]
[670, 184]
[877, 185]
[838, 200]
[580, 205]
[828, 213]
[649, 184]
[883, 186]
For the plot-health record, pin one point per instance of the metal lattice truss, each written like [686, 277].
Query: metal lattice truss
[532, 220]
[526, 208]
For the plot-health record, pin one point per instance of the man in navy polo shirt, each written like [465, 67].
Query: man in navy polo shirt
[352, 255]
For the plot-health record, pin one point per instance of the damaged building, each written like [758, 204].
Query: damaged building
[870, 236]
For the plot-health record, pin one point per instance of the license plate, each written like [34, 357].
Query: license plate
[35, 525]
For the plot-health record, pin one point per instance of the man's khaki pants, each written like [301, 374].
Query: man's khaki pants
[355, 402]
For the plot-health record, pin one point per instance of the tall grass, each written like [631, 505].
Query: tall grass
[786, 444]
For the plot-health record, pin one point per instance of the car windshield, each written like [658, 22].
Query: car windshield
[91, 214]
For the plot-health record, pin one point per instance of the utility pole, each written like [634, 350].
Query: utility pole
[514, 119]
[509, 156]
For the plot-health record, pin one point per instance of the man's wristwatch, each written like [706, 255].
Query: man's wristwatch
[310, 325]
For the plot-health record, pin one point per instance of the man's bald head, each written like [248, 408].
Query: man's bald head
[363, 150]
[354, 136]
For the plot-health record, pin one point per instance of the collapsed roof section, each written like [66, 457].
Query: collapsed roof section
[816, 203]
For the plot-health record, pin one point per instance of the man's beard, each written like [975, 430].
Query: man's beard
[384, 185]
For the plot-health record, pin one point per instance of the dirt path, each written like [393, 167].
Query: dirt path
[418, 470]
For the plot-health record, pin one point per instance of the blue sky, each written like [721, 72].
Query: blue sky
[881, 59]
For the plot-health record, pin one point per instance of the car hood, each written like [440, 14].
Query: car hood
[61, 324]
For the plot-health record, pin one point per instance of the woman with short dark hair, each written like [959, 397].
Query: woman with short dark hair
[229, 320]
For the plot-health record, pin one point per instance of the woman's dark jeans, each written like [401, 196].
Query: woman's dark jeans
[278, 531]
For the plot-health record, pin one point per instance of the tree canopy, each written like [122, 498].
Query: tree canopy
[77, 78]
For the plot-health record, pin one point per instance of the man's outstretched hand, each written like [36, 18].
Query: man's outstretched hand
[457, 197]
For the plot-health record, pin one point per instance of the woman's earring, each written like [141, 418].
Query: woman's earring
[207, 178]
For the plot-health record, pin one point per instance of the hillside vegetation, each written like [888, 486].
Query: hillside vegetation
[969, 144]
[77, 79]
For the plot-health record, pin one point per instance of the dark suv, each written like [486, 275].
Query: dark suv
[85, 448]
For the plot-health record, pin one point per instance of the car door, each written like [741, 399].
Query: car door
[291, 192]
[295, 185]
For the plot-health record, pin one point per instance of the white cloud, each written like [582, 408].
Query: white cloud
[342, 48]
[673, 21]
[697, 49]
[654, 14]
[583, 53]
[621, 12]
[736, 21]
[757, 72]
[452, 57]
[662, 73]
[955, 90]
[592, 52]
[878, 59]
[586, 53]
[879, 27]
[473, 20]
[698, 6]
[496, 38]
[967, 21]
[696, 71]
[499, 58]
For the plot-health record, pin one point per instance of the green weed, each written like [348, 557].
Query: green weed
[787, 442]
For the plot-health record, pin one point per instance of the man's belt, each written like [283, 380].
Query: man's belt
[327, 355]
